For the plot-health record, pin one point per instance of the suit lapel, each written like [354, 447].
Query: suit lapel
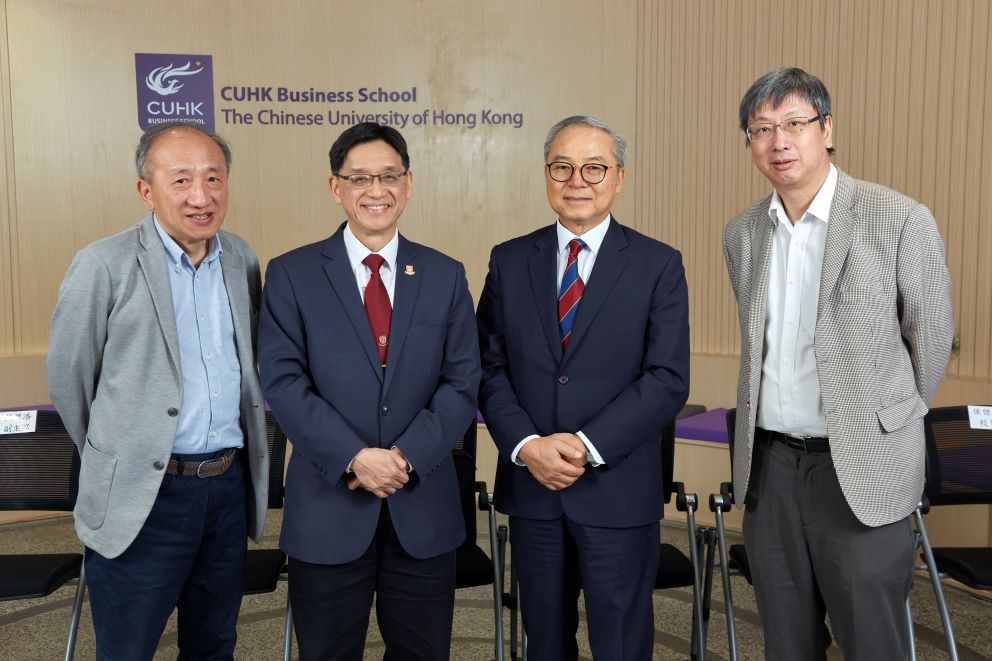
[543, 264]
[610, 263]
[236, 284]
[840, 234]
[342, 279]
[406, 289]
[761, 246]
[155, 268]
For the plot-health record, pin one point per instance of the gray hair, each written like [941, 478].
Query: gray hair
[619, 145]
[154, 132]
[778, 85]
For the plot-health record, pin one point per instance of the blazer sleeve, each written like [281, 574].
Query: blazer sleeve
[923, 287]
[76, 342]
[308, 420]
[653, 399]
[437, 428]
[507, 420]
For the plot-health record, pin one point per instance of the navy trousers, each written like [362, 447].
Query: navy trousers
[190, 554]
[614, 567]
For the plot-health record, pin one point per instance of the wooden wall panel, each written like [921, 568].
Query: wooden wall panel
[911, 84]
[8, 343]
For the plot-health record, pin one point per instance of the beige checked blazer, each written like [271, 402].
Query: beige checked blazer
[882, 340]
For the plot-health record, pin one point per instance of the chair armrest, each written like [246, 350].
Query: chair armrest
[924, 505]
[684, 501]
[723, 500]
[485, 498]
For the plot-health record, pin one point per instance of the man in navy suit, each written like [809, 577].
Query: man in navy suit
[584, 335]
[369, 360]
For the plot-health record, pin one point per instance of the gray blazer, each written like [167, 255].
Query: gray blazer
[113, 375]
[882, 341]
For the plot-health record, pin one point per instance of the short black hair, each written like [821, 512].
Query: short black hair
[776, 86]
[360, 134]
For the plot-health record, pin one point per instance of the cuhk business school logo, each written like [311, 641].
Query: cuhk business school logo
[174, 88]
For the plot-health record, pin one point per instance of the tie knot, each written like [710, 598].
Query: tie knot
[574, 247]
[374, 261]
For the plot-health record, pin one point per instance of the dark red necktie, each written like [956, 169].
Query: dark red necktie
[377, 306]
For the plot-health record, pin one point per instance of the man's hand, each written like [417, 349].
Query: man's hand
[379, 471]
[573, 441]
[553, 460]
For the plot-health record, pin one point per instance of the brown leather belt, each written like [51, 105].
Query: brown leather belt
[207, 468]
[806, 444]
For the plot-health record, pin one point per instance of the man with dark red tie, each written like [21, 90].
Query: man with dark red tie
[369, 359]
[584, 334]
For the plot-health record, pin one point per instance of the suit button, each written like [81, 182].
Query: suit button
[385, 410]
[158, 465]
[562, 380]
[173, 411]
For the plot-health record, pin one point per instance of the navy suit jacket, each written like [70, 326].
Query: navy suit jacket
[322, 377]
[624, 375]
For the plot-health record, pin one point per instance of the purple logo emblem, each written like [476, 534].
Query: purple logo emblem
[174, 88]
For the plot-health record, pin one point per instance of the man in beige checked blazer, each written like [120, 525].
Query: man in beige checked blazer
[846, 329]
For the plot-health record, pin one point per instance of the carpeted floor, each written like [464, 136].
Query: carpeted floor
[36, 629]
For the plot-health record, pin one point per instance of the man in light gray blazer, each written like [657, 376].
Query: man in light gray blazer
[846, 329]
[151, 365]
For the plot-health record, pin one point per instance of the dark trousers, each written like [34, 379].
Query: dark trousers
[414, 602]
[811, 557]
[615, 568]
[190, 553]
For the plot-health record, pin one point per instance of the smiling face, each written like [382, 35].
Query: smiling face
[374, 211]
[186, 187]
[580, 205]
[793, 163]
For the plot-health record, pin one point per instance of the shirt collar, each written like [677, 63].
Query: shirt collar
[593, 238]
[357, 251]
[176, 254]
[820, 206]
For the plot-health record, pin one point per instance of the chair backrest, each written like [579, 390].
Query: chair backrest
[40, 470]
[276, 439]
[667, 437]
[959, 458]
[464, 458]
[731, 427]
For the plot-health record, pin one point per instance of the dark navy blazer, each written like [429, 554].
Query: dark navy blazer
[322, 377]
[624, 375]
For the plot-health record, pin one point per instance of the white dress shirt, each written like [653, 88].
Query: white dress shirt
[586, 259]
[357, 252]
[789, 399]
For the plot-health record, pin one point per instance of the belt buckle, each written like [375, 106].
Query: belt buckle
[799, 439]
[200, 466]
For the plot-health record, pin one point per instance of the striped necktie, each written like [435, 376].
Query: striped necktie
[570, 292]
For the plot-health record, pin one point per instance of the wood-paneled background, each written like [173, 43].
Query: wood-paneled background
[911, 82]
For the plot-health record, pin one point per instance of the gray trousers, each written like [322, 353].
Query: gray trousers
[811, 557]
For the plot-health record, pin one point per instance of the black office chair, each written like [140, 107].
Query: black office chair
[265, 568]
[675, 570]
[40, 471]
[959, 472]
[735, 561]
[472, 566]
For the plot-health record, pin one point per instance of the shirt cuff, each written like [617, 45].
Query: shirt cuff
[516, 450]
[595, 459]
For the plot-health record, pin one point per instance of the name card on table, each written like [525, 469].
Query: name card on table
[18, 422]
[980, 417]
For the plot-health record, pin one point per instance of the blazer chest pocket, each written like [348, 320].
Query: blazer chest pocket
[425, 329]
[96, 476]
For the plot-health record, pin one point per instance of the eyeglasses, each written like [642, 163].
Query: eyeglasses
[591, 173]
[793, 126]
[387, 179]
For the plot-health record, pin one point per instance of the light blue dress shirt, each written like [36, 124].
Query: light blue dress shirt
[209, 418]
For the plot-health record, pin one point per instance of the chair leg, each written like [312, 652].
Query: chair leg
[699, 640]
[728, 599]
[287, 632]
[911, 634]
[938, 590]
[496, 550]
[77, 610]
